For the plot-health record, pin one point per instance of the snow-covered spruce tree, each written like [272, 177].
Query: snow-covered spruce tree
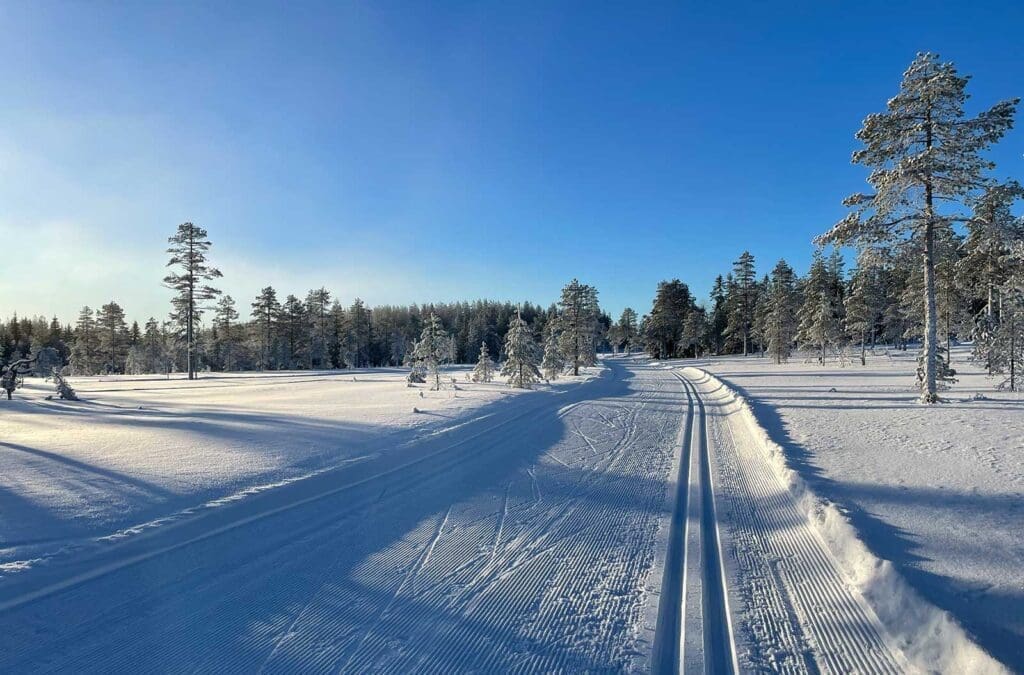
[45, 358]
[484, 370]
[894, 278]
[188, 248]
[1005, 344]
[865, 300]
[520, 365]
[294, 332]
[318, 309]
[782, 302]
[266, 311]
[837, 277]
[742, 300]
[225, 329]
[85, 351]
[820, 323]
[718, 319]
[672, 304]
[626, 330]
[112, 337]
[553, 362]
[758, 330]
[358, 323]
[154, 341]
[431, 350]
[925, 159]
[693, 337]
[983, 264]
[336, 336]
[991, 233]
[578, 312]
[13, 373]
[64, 390]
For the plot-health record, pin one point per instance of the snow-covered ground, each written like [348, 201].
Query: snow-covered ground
[140, 449]
[642, 516]
[936, 490]
[522, 533]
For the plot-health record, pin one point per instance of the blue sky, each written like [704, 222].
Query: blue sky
[409, 152]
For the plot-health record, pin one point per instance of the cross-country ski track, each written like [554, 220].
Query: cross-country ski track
[630, 523]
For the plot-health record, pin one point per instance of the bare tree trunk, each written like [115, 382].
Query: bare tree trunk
[988, 316]
[949, 341]
[188, 339]
[1013, 351]
[930, 393]
[824, 310]
[863, 347]
[191, 309]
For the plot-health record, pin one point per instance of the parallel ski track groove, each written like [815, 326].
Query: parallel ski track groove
[719, 640]
[668, 639]
[718, 650]
[845, 632]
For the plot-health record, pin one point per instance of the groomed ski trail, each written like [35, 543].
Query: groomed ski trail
[526, 541]
[796, 612]
[694, 632]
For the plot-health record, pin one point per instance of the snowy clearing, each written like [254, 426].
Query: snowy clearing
[140, 450]
[637, 518]
[495, 545]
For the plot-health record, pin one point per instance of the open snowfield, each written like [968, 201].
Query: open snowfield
[143, 448]
[520, 532]
[938, 491]
[635, 519]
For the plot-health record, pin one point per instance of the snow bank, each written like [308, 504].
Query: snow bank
[928, 636]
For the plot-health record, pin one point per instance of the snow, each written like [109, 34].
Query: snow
[937, 491]
[312, 521]
[519, 532]
[144, 448]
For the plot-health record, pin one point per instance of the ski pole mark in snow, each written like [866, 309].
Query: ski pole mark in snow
[536, 486]
[408, 579]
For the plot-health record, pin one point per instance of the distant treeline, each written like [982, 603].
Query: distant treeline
[317, 332]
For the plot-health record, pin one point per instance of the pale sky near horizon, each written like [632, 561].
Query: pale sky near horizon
[414, 152]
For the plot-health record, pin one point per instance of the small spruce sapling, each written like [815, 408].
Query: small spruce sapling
[521, 365]
[484, 370]
[554, 361]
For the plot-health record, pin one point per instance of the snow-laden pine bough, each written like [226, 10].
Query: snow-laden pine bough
[12, 375]
[64, 390]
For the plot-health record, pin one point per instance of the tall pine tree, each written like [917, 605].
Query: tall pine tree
[266, 312]
[742, 300]
[820, 324]
[782, 301]
[925, 157]
[188, 249]
[578, 312]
